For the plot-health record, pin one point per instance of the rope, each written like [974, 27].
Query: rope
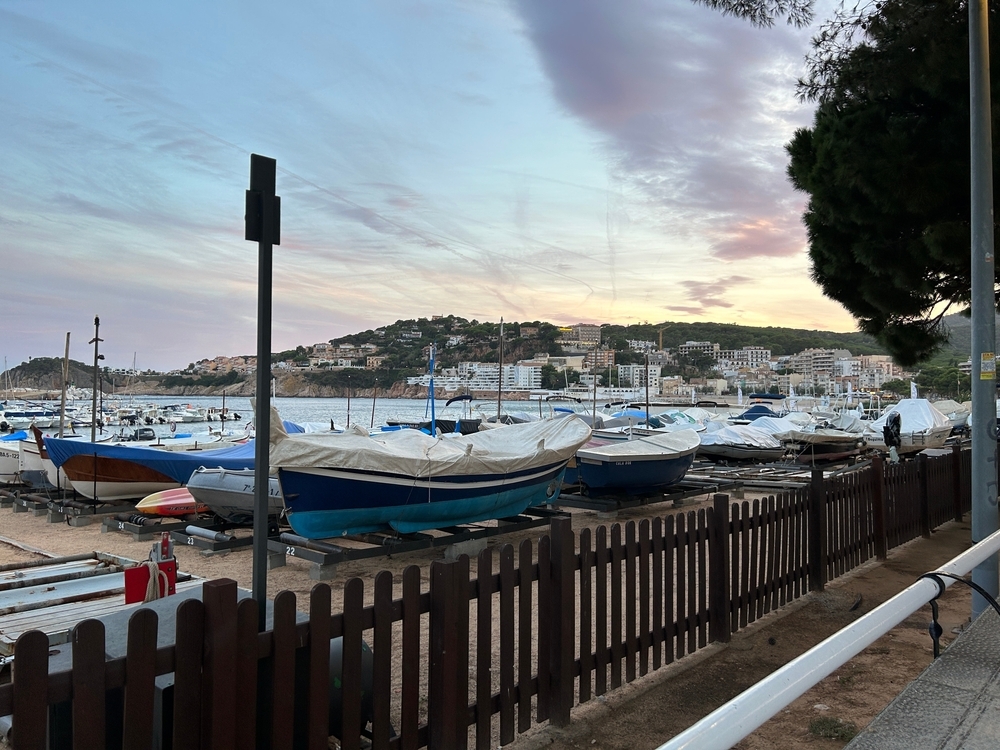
[153, 582]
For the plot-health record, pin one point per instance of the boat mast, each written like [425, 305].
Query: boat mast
[93, 406]
[374, 392]
[646, 364]
[500, 372]
[430, 393]
[65, 380]
[348, 399]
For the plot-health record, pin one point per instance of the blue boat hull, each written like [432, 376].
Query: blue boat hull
[322, 503]
[628, 476]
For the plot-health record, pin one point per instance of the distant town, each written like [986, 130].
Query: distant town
[584, 355]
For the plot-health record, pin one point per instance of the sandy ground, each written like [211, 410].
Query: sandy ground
[649, 711]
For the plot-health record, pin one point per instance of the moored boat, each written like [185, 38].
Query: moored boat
[354, 482]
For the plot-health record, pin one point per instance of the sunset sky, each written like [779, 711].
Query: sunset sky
[567, 160]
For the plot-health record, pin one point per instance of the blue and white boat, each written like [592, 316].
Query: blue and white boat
[406, 481]
[640, 466]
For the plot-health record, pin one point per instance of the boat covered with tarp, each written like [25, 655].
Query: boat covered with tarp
[407, 481]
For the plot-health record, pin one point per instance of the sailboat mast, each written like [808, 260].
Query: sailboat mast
[65, 381]
[500, 372]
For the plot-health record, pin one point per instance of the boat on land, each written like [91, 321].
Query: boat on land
[229, 493]
[921, 426]
[740, 443]
[640, 466]
[406, 481]
[10, 457]
[175, 503]
[111, 473]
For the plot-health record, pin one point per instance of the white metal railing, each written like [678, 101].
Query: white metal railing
[733, 721]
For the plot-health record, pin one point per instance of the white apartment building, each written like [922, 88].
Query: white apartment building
[705, 347]
[748, 356]
[637, 376]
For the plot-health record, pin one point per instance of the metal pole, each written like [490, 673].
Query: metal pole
[263, 223]
[93, 406]
[984, 424]
[500, 372]
[65, 383]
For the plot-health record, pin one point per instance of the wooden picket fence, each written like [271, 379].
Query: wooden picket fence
[475, 660]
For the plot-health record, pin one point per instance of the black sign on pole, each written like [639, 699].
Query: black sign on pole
[263, 226]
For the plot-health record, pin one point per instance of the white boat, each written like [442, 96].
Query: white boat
[10, 457]
[229, 493]
[921, 426]
[740, 443]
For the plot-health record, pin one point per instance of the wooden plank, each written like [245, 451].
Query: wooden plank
[586, 615]
[351, 675]
[88, 685]
[544, 627]
[753, 590]
[631, 553]
[484, 648]
[720, 575]
[644, 624]
[317, 730]
[460, 608]
[563, 621]
[690, 543]
[656, 549]
[674, 576]
[524, 613]
[744, 537]
[219, 712]
[601, 611]
[140, 676]
[283, 672]
[189, 645]
[31, 682]
[247, 668]
[616, 606]
[702, 549]
[410, 701]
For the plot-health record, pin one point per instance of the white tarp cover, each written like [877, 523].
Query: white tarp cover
[774, 425]
[740, 434]
[676, 443]
[948, 406]
[414, 454]
[818, 435]
[915, 415]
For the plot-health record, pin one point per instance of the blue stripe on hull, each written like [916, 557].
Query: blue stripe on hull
[322, 504]
[631, 477]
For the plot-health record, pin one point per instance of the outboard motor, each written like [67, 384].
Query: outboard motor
[891, 433]
[367, 685]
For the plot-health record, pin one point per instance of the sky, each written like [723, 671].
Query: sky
[568, 161]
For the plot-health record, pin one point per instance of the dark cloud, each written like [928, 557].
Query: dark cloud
[695, 107]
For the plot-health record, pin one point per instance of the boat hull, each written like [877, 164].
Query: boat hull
[112, 480]
[230, 494]
[628, 476]
[175, 503]
[322, 502]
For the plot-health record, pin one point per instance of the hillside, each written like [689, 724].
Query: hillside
[402, 345]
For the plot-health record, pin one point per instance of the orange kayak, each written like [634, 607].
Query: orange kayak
[176, 502]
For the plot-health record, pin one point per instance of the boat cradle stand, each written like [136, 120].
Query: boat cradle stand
[142, 527]
[464, 539]
[76, 513]
[690, 486]
[213, 539]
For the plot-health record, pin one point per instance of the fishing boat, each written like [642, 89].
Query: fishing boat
[10, 457]
[643, 465]
[175, 503]
[229, 493]
[406, 481]
[110, 473]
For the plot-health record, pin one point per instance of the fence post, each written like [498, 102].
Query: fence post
[923, 496]
[718, 570]
[956, 480]
[446, 708]
[219, 710]
[817, 532]
[561, 620]
[878, 506]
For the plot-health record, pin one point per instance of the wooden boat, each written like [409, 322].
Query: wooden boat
[643, 465]
[118, 472]
[353, 482]
[170, 503]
